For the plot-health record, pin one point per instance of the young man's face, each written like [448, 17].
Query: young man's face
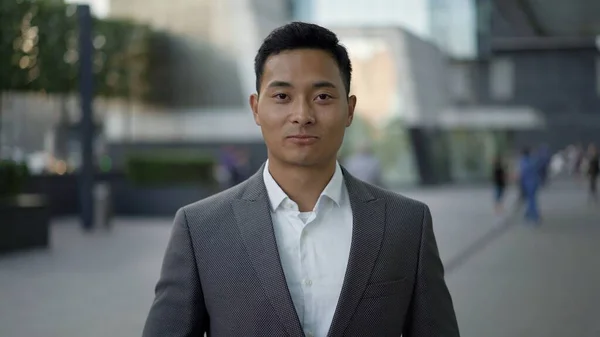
[302, 107]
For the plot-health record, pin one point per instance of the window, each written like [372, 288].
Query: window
[502, 79]
[460, 83]
[598, 76]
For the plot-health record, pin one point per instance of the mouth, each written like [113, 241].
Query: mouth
[302, 139]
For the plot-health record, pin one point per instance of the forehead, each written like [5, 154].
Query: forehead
[301, 65]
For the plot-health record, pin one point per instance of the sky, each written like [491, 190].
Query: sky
[99, 7]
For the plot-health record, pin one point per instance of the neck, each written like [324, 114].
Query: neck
[302, 184]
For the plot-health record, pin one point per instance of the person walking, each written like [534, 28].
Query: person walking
[543, 159]
[529, 182]
[499, 176]
[593, 172]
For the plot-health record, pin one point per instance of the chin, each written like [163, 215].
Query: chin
[306, 161]
[301, 157]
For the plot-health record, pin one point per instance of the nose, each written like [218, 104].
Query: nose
[302, 113]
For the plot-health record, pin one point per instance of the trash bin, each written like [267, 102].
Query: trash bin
[103, 206]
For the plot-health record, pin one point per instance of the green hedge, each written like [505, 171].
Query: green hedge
[170, 169]
[13, 176]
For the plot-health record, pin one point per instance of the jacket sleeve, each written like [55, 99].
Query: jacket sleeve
[178, 309]
[431, 312]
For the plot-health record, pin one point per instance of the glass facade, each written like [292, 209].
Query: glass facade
[379, 118]
[451, 24]
[399, 80]
[454, 27]
[473, 151]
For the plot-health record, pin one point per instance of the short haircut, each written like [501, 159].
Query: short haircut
[301, 35]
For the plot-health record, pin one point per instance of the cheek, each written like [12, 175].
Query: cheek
[271, 116]
[271, 127]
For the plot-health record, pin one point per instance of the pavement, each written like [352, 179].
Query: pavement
[507, 278]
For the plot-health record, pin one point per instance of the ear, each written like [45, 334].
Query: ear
[351, 107]
[254, 106]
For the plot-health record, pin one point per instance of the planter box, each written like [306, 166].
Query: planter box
[131, 200]
[24, 223]
[61, 192]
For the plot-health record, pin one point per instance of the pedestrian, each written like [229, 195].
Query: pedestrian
[302, 248]
[543, 159]
[593, 171]
[499, 175]
[529, 182]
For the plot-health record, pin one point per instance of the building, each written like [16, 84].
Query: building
[407, 57]
[450, 24]
[400, 82]
[209, 46]
[544, 56]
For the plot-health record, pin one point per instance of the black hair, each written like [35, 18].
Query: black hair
[302, 35]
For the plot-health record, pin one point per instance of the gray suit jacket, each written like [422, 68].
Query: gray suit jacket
[222, 272]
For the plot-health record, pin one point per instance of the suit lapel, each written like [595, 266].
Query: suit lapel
[254, 222]
[368, 230]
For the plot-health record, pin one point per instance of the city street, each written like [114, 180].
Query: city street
[507, 278]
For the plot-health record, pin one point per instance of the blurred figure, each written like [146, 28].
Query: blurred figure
[499, 175]
[575, 158]
[543, 159]
[593, 171]
[558, 163]
[529, 181]
[226, 170]
[241, 166]
[365, 166]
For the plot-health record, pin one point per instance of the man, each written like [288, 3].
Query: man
[593, 171]
[529, 183]
[302, 248]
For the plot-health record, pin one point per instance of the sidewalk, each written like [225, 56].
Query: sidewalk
[507, 279]
[535, 281]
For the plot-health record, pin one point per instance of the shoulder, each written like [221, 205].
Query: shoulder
[216, 205]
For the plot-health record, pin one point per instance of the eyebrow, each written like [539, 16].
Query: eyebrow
[319, 84]
[324, 84]
[276, 84]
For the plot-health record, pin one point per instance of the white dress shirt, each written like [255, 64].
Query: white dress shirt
[314, 248]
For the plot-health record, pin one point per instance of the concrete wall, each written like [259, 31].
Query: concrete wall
[189, 72]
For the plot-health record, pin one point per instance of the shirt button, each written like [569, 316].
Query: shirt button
[309, 334]
[308, 283]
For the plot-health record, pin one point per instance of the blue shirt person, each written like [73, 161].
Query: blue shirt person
[529, 181]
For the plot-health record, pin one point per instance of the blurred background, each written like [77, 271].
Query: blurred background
[115, 113]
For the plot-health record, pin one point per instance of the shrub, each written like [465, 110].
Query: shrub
[13, 176]
[169, 169]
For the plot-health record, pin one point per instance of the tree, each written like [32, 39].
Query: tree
[39, 50]
[120, 60]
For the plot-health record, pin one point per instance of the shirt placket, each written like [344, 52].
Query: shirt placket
[308, 274]
[305, 275]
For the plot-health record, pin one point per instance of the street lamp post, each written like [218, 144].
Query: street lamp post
[86, 184]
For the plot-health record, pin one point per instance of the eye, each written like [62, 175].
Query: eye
[281, 96]
[324, 97]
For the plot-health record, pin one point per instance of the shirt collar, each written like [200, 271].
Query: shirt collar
[333, 190]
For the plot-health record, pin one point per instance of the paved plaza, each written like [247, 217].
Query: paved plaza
[507, 278]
